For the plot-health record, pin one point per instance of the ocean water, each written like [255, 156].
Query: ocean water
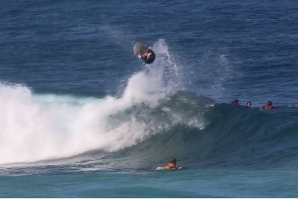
[81, 116]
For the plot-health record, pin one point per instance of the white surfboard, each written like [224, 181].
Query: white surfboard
[165, 169]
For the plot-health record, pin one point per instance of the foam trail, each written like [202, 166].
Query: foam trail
[39, 127]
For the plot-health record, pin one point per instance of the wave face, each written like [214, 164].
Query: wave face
[196, 130]
[203, 134]
[155, 118]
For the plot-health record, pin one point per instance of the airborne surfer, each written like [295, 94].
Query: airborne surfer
[145, 53]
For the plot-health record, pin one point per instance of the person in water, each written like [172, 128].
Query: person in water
[248, 104]
[235, 102]
[268, 106]
[148, 57]
[171, 164]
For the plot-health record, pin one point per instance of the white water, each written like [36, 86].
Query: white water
[38, 127]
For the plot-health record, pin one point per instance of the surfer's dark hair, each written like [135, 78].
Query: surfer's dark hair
[173, 160]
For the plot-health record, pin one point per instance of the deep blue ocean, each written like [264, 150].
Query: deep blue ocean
[82, 116]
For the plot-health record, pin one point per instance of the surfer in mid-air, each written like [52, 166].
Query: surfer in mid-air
[145, 53]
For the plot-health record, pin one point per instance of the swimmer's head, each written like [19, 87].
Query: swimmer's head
[173, 160]
[235, 102]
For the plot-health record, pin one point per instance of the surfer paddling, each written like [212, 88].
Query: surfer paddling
[145, 53]
[268, 106]
[171, 164]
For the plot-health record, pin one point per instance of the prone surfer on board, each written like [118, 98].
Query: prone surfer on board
[171, 164]
[145, 53]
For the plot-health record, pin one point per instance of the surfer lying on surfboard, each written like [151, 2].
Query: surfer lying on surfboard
[145, 53]
[171, 164]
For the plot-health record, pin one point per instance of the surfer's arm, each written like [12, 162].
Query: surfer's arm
[149, 55]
